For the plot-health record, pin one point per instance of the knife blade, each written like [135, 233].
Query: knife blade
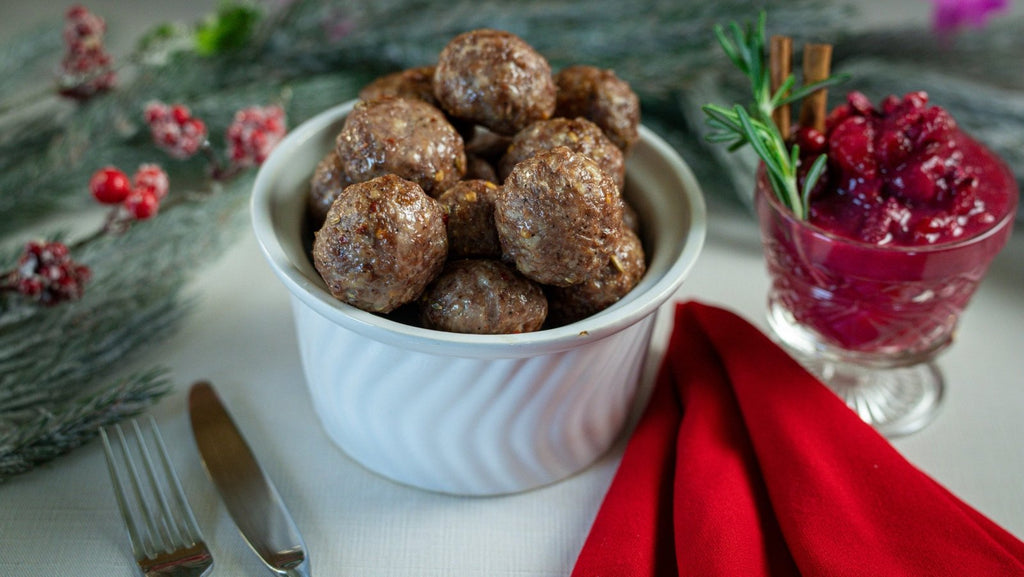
[247, 492]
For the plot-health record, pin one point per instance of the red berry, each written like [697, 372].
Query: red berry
[811, 141]
[109, 185]
[142, 204]
[151, 178]
[851, 147]
[916, 99]
[47, 274]
[919, 180]
[180, 113]
[254, 132]
[861, 103]
[155, 111]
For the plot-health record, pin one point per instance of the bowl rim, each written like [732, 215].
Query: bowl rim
[379, 328]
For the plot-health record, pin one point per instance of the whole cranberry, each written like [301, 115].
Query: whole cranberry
[851, 147]
[810, 141]
[110, 185]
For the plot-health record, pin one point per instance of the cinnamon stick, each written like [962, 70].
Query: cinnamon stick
[816, 66]
[780, 62]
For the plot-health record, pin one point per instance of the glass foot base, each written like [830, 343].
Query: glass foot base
[896, 401]
[897, 394]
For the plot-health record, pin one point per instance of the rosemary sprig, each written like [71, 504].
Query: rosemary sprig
[738, 126]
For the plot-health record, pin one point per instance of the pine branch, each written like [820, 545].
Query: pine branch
[27, 61]
[44, 434]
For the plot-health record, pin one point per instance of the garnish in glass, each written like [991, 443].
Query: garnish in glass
[755, 125]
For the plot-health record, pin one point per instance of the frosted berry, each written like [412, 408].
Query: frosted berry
[82, 27]
[47, 274]
[151, 178]
[142, 204]
[174, 129]
[254, 133]
[109, 185]
[86, 68]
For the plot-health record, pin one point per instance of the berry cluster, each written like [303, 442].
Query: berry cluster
[86, 68]
[46, 273]
[254, 132]
[895, 172]
[139, 197]
[174, 129]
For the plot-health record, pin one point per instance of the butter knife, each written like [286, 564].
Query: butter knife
[247, 492]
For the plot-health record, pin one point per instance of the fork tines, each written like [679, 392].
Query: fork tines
[161, 527]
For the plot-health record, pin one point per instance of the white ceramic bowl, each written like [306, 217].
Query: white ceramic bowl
[474, 414]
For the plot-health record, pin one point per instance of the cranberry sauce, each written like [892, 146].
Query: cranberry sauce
[904, 174]
[902, 229]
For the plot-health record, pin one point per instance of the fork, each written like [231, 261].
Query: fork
[165, 538]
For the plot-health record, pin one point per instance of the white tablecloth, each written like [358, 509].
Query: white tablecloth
[61, 520]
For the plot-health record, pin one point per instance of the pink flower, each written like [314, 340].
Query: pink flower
[949, 15]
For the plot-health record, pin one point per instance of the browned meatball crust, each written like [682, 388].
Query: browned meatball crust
[414, 83]
[630, 219]
[326, 184]
[469, 209]
[578, 134]
[558, 217]
[618, 276]
[488, 145]
[382, 242]
[494, 78]
[482, 296]
[401, 136]
[478, 168]
[604, 98]
[417, 84]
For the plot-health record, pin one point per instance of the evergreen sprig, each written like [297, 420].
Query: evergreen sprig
[755, 126]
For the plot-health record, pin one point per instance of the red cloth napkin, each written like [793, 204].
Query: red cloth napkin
[745, 465]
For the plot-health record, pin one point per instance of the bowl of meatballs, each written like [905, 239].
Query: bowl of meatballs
[475, 253]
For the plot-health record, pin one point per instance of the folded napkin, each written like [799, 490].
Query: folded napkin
[745, 465]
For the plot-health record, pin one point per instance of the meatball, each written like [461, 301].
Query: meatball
[630, 219]
[601, 96]
[414, 83]
[578, 134]
[326, 184]
[477, 168]
[618, 276]
[495, 79]
[558, 217]
[382, 242]
[482, 296]
[488, 145]
[408, 138]
[469, 209]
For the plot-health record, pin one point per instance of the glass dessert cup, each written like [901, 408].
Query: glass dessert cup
[869, 320]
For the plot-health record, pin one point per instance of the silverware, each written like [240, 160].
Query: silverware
[163, 532]
[247, 492]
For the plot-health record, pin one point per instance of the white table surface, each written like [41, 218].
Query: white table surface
[61, 520]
